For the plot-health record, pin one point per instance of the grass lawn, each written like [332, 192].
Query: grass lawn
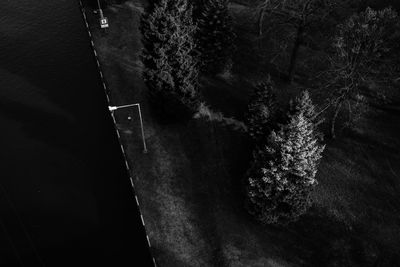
[189, 184]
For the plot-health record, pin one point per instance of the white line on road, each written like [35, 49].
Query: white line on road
[115, 124]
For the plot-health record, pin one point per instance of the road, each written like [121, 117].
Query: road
[65, 194]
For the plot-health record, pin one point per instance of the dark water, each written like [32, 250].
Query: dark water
[65, 197]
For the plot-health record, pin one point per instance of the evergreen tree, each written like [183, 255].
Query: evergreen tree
[170, 70]
[262, 110]
[215, 37]
[283, 174]
[303, 103]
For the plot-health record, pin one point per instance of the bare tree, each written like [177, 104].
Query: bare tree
[299, 15]
[362, 55]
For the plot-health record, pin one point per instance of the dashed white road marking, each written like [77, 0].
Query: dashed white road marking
[127, 165]
[115, 125]
[141, 217]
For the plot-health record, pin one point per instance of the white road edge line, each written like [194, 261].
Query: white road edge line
[115, 126]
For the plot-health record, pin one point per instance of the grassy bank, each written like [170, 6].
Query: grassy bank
[189, 184]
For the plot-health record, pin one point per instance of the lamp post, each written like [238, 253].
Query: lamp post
[114, 108]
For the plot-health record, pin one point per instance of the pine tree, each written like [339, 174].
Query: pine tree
[283, 174]
[215, 37]
[170, 70]
[303, 103]
[262, 110]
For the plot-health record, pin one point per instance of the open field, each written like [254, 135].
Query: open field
[189, 184]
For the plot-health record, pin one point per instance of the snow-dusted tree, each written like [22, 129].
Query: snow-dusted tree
[283, 174]
[363, 47]
[215, 36]
[303, 103]
[170, 70]
[262, 109]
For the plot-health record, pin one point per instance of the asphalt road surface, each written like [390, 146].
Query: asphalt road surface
[65, 195]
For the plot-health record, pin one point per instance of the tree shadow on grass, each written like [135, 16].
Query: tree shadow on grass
[200, 150]
[319, 239]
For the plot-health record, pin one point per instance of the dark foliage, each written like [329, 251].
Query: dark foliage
[262, 111]
[170, 70]
[215, 37]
